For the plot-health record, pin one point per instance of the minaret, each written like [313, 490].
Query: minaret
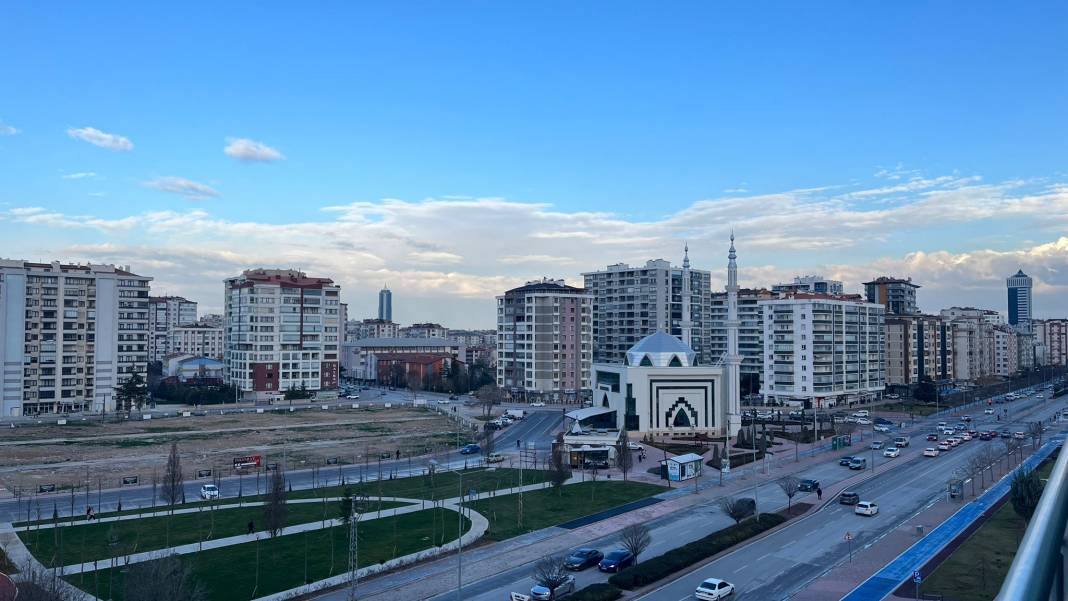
[687, 323]
[734, 359]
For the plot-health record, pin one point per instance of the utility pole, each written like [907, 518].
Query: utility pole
[354, 518]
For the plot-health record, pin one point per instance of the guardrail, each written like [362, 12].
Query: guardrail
[1038, 571]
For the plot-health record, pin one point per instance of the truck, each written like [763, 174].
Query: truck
[901, 442]
[516, 413]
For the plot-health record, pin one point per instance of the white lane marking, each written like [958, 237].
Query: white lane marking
[764, 555]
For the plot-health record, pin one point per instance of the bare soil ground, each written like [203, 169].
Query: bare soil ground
[31, 455]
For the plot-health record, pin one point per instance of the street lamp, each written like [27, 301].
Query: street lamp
[459, 529]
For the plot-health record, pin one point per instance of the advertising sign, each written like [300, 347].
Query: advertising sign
[673, 471]
[129, 480]
[247, 461]
[203, 473]
[42, 488]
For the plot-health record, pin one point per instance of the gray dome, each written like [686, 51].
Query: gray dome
[661, 349]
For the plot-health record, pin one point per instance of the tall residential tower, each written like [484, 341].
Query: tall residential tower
[385, 304]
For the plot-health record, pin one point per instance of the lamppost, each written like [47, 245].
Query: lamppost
[459, 530]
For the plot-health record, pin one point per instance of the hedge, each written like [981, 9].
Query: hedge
[651, 570]
[601, 591]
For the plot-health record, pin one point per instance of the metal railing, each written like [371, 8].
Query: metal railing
[1038, 571]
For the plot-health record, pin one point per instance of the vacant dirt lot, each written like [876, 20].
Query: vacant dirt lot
[64, 455]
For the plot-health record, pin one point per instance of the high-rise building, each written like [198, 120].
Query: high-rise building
[197, 339]
[69, 335]
[385, 304]
[918, 346]
[631, 303]
[974, 344]
[1005, 351]
[1019, 286]
[823, 350]
[810, 283]
[165, 314]
[1056, 341]
[896, 294]
[282, 332]
[545, 340]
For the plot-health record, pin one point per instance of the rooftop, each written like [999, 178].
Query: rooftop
[892, 280]
[411, 342]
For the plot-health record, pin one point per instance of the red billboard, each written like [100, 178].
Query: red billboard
[247, 461]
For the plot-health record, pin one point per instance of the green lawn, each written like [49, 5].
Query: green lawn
[548, 507]
[88, 542]
[919, 409]
[283, 563]
[976, 569]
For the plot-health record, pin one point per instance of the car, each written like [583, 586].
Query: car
[209, 491]
[490, 426]
[891, 452]
[868, 508]
[494, 458]
[858, 463]
[932, 437]
[470, 449]
[544, 593]
[596, 464]
[443, 401]
[453, 397]
[808, 485]
[849, 419]
[849, 498]
[901, 441]
[965, 436]
[634, 446]
[930, 452]
[953, 441]
[616, 560]
[984, 436]
[537, 404]
[942, 424]
[713, 589]
[973, 433]
[352, 397]
[965, 418]
[944, 446]
[878, 444]
[882, 428]
[583, 558]
[864, 421]
[861, 413]
[1018, 435]
[988, 411]
[845, 460]
[1005, 434]
[893, 396]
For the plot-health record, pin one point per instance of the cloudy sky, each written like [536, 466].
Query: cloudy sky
[455, 150]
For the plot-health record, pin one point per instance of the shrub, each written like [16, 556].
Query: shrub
[601, 591]
[654, 569]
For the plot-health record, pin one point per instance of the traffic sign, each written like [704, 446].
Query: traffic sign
[849, 536]
[916, 577]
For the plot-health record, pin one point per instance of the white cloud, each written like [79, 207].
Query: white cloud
[79, 175]
[432, 256]
[250, 150]
[186, 187]
[7, 130]
[102, 139]
[535, 259]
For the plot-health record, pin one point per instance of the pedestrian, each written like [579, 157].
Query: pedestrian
[819, 494]
[88, 513]
[517, 443]
[251, 527]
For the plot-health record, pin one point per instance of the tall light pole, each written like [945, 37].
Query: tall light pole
[459, 531]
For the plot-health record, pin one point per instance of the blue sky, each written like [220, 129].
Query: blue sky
[486, 118]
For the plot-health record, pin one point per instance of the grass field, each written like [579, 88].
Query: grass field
[544, 508]
[976, 569]
[917, 408]
[253, 570]
[88, 542]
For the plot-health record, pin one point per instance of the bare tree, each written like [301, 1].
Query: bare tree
[737, 508]
[488, 443]
[789, 485]
[165, 579]
[549, 571]
[37, 584]
[624, 458]
[173, 481]
[488, 396]
[635, 538]
[977, 467]
[559, 470]
[274, 505]
[1034, 430]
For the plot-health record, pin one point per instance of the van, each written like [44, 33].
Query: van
[901, 441]
[494, 458]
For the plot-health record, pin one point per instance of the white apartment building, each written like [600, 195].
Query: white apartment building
[630, 303]
[1005, 349]
[282, 332]
[918, 346]
[750, 334]
[1055, 339]
[165, 314]
[425, 330]
[371, 328]
[198, 340]
[545, 340]
[974, 341]
[69, 335]
[823, 350]
[810, 283]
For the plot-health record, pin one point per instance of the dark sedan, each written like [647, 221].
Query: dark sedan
[808, 485]
[845, 460]
[616, 561]
[583, 558]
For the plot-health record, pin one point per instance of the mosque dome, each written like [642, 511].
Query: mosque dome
[660, 349]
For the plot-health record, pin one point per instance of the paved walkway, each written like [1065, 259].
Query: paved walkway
[21, 557]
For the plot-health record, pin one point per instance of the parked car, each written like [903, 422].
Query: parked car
[878, 444]
[494, 458]
[893, 396]
[713, 589]
[868, 508]
[808, 485]
[901, 441]
[965, 436]
[209, 491]
[616, 561]
[470, 449]
[864, 421]
[537, 404]
[352, 397]
[634, 446]
[583, 558]
[988, 411]
[858, 463]
[849, 498]
[596, 464]
[891, 452]
[930, 452]
[544, 593]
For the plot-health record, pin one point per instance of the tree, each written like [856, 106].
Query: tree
[345, 508]
[488, 443]
[925, 390]
[1034, 430]
[559, 469]
[166, 579]
[415, 384]
[274, 505]
[624, 458]
[132, 393]
[737, 508]
[549, 571]
[173, 481]
[635, 538]
[397, 375]
[35, 583]
[488, 396]
[1025, 492]
[789, 485]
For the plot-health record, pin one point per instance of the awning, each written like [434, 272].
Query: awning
[687, 458]
[581, 414]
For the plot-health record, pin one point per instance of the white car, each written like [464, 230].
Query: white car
[882, 428]
[352, 397]
[989, 411]
[863, 421]
[944, 446]
[891, 452]
[443, 401]
[537, 404]
[861, 413]
[209, 491]
[930, 452]
[713, 589]
[868, 508]
[634, 446]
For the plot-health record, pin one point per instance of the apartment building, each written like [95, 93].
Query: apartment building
[371, 328]
[823, 350]
[630, 303]
[896, 294]
[165, 314]
[750, 334]
[424, 330]
[282, 332]
[918, 346]
[810, 283]
[545, 340]
[1005, 351]
[360, 357]
[1055, 341]
[199, 340]
[69, 335]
